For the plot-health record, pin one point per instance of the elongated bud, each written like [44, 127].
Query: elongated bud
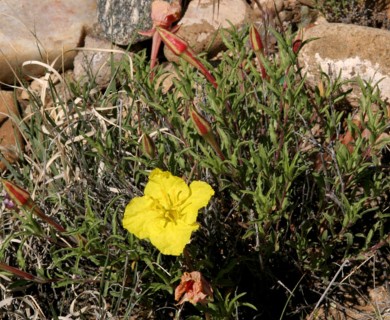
[18, 195]
[23, 200]
[297, 46]
[21, 274]
[203, 127]
[201, 124]
[181, 48]
[321, 89]
[148, 146]
[177, 45]
[255, 39]
[258, 48]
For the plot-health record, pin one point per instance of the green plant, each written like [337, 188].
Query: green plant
[292, 197]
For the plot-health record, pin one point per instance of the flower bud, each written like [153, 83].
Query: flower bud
[23, 200]
[258, 48]
[321, 89]
[148, 146]
[297, 46]
[19, 196]
[177, 45]
[255, 39]
[204, 129]
[201, 124]
[180, 48]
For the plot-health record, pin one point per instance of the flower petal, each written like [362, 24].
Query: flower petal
[166, 188]
[201, 192]
[171, 238]
[194, 287]
[138, 214]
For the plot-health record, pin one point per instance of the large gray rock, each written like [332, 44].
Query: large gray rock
[353, 50]
[41, 30]
[121, 20]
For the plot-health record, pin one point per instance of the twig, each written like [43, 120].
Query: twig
[328, 288]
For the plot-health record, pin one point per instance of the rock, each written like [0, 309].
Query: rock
[310, 3]
[41, 30]
[8, 107]
[121, 20]
[388, 12]
[285, 13]
[354, 50]
[300, 13]
[94, 62]
[10, 138]
[268, 5]
[376, 305]
[201, 25]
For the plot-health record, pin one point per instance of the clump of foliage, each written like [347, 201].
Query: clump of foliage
[369, 13]
[293, 201]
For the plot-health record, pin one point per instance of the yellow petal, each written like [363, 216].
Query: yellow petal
[201, 193]
[166, 188]
[137, 215]
[171, 238]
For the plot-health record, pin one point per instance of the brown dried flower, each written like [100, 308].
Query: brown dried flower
[193, 288]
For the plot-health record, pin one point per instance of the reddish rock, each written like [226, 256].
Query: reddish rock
[203, 20]
[41, 30]
[10, 138]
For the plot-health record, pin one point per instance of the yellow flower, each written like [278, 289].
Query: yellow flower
[166, 214]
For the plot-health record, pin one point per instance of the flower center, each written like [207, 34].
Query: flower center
[173, 212]
[171, 215]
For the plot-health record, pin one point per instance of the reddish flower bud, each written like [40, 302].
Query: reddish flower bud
[23, 200]
[21, 274]
[255, 39]
[201, 124]
[258, 48]
[204, 129]
[19, 196]
[180, 48]
[177, 45]
[297, 46]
